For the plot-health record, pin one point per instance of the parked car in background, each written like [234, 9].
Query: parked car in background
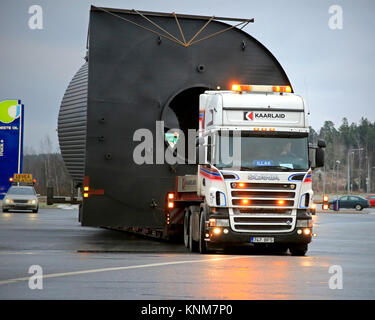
[350, 202]
[21, 198]
[371, 200]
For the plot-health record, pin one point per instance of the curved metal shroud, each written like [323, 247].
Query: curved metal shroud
[133, 75]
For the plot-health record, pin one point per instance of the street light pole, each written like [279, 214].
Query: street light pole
[337, 185]
[337, 176]
[349, 152]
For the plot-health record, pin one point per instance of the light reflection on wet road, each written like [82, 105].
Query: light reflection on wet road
[114, 265]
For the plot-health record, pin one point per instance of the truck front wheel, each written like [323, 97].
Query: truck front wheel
[202, 234]
[193, 246]
[299, 249]
[186, 229]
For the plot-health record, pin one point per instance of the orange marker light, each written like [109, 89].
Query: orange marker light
[170, 205]
[170, 195]
[86, 188]
[241, 185]
[241, 87]
[245, 202]
[287, 89]
[325, 198]
[280, 202]
[325, 207]
[236, 87]
[85, 195]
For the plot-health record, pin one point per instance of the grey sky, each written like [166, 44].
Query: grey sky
[332, 69]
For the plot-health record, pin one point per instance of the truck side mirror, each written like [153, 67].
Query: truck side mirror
[319, 158]
[321, 143]
[312, 156]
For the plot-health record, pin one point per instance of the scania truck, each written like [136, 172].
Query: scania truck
[264, 194]
[160, 76]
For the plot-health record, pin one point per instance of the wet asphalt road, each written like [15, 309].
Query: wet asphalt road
[89, 263]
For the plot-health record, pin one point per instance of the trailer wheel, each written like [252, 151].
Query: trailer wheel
[202, 232]
[193, 246]
[186, 229]
[298, 250]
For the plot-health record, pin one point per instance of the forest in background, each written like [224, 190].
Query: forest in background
[349, 143]
[355, 140]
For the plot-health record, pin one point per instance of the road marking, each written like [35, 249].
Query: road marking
[15, 252]
[72, 273]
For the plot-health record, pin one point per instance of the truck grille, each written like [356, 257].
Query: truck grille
[265, 186]
[262, 222]
[263, 194]
[263, 228]
[258, 202]
[263, 211]
[268, 207]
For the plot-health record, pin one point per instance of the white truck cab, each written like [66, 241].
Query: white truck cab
[255, 177]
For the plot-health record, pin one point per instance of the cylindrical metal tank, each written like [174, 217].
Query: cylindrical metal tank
[71, 125]
[135, 78]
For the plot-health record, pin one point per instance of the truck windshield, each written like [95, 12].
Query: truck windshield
[263, 153]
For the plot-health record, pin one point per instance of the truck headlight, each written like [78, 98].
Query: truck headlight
[7, 201]
[304, 224]
[219, 222]
[33, 201]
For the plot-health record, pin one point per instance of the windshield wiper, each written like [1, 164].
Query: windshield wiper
[269, 168]
[248, 169]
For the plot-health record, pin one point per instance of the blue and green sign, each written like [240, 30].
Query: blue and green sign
[11, 141]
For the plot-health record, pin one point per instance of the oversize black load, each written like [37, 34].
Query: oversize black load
[136, 74]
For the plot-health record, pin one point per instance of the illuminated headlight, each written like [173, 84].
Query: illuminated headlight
[33, 201]
[217, 231]
[304, 224]
[7, 201]
[219, 222]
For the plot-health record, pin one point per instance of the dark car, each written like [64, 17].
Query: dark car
[350, 202]
[371, 200]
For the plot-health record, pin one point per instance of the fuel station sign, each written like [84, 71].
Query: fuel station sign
[11, 141]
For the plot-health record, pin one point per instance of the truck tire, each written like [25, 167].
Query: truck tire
[193, 245]
[358, 207]
[298, 250]
[202, 233]
[186, 229]
[5, 210]
[36, 210]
